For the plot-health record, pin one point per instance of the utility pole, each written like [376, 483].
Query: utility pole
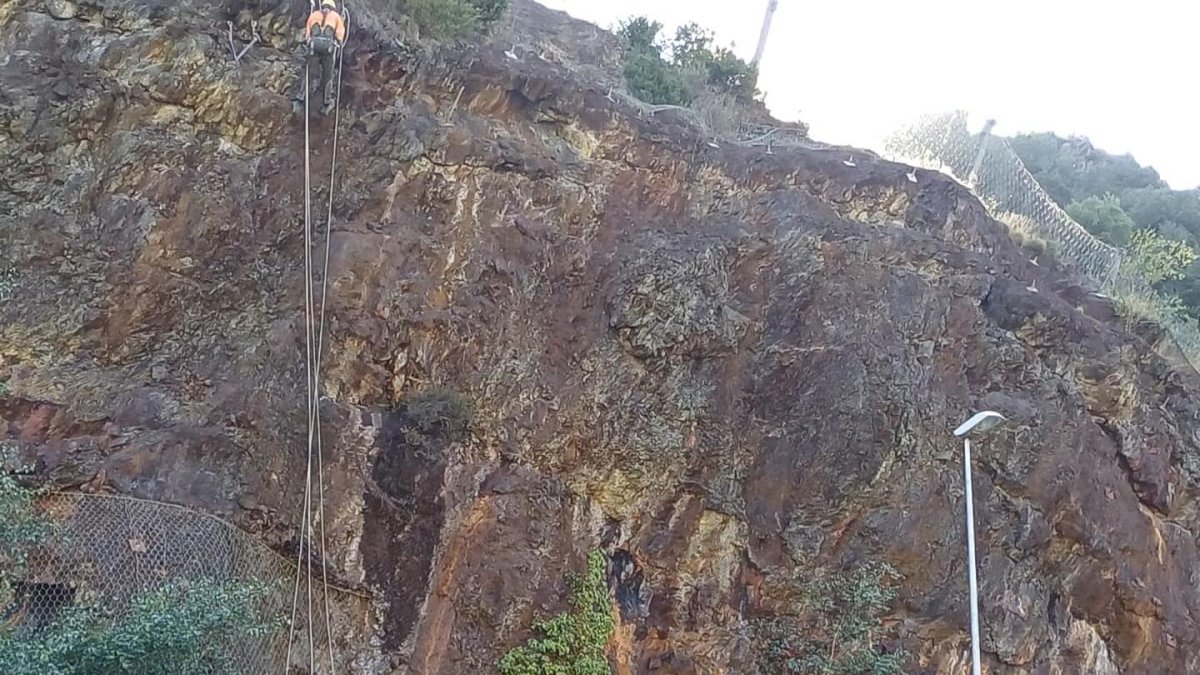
[766, 28]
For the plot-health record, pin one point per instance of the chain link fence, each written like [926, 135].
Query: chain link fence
[109, 553]
[991, 169]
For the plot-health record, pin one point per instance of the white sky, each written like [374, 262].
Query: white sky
[1125, 74]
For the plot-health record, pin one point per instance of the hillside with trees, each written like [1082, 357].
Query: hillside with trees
[1114, 196]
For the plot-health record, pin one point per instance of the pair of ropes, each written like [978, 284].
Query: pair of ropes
[313, 341]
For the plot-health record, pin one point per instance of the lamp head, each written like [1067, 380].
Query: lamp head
[979, 423]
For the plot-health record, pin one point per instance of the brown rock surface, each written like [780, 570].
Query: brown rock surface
[706, 361]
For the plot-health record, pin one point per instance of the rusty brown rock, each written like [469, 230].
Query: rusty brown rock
[710, 362]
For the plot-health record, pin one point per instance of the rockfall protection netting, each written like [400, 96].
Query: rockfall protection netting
[106, 553]
[988, 166]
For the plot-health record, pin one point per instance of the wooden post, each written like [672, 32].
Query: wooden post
[766, 28]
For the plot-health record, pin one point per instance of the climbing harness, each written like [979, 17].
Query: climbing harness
[313, 342]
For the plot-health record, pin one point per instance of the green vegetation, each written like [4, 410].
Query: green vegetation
[1115, 198]
[1135, 306]
[447, 19]
[570, 643]
[1103, 217]
[21, 528]
[1156, 258]
[8, 280]
[490, 11]
[834, 628]
[439, 412]
[1021, 230]
[175, 629]
[675, 72]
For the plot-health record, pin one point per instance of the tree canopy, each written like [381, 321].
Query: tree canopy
[1115, 197]
[673, 71]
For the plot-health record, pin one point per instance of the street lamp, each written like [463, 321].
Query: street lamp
[979, 423]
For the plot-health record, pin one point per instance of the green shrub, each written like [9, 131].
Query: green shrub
[655, 81]
[661, 73]
[1103, 217]
[447, 19]
[1135, 304]
[692, 49]
[174, 629]
[21, 528]
[444, 19]
[640, 34]
[835, 626]
[8, 281]
[571, 643]
[1155, 258]
[729, 73]
[692, 46]
[439, 411]
[490, 11]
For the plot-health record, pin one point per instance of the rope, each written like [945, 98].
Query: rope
[337, 102]
[314, 341]
[308, 381]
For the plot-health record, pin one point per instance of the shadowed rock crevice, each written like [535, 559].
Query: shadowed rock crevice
[404, 510]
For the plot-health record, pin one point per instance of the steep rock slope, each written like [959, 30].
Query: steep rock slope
[711, 362]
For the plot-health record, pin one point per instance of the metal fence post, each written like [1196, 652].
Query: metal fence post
[984, 137]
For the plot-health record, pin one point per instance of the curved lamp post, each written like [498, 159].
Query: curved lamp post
[979, 423]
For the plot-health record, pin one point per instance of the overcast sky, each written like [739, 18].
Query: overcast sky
[1125, 74]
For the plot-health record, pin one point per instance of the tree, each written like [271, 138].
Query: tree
[1103, 217]
[1072, 169]
[654, 81]
[729, 73]
[692, 46]
[1153, 207]
[641, 34]
[1079, 176]
[648, 76]
[675, 73]
[1155, 258]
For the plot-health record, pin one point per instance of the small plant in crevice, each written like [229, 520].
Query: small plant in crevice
[439, 412]
[8, 281]
[570, 643]
[1021, 230]
[835, 628]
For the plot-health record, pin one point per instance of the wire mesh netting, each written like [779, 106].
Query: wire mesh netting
[111, 559]
[991, 169]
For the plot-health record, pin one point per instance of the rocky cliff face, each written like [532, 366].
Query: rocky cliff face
[710, 362]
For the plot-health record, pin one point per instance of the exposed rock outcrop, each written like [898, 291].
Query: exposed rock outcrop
[708, 361]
